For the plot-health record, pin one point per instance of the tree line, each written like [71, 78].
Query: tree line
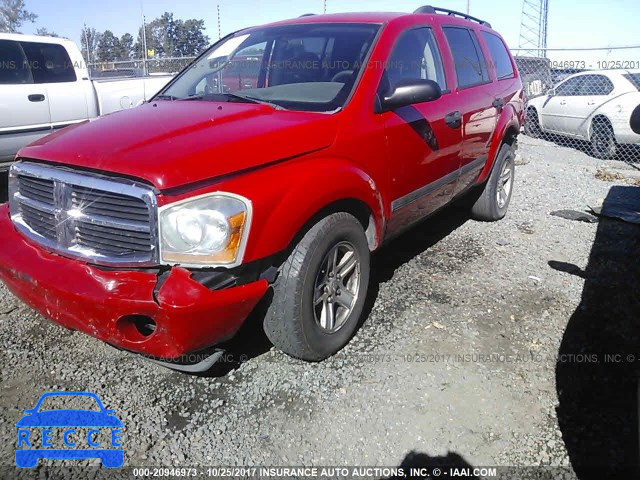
[165, 37]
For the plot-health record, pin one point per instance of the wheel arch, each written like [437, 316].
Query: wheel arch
[506, 131]
[598, 118]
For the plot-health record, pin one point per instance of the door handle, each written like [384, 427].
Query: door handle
[591, 102]
[453, 119]
[563, 102]
[36, 97]
[498, 103]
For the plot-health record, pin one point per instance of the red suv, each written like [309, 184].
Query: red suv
[159, 229]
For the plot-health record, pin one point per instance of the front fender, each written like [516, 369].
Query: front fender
[285, 197]
[508, 119]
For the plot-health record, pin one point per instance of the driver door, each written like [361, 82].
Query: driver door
[556, 108]
[423, 151]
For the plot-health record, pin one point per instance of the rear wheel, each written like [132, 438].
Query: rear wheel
[532, 124]
[320, 294]
[493, 202]
[603, 141]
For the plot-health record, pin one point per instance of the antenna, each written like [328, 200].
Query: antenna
[325, 6]
[533, 28]
[219, 23]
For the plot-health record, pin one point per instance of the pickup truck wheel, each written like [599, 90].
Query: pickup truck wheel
[603, 141]
[494, 200]
[320, 294]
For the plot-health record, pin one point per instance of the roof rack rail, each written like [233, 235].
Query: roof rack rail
[307, 15]
[430, 10]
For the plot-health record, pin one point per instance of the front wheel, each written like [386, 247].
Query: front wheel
[532, 124]
[321, 291]
[493, 202]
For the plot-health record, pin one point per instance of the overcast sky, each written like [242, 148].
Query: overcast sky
[572, 23]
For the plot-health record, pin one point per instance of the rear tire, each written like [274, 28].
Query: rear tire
[493, 202]
[532, 124]
[320, 294]
[603, 140]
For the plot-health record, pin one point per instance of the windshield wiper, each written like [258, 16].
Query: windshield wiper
[275, 106]
[236, 96]
[165, 97]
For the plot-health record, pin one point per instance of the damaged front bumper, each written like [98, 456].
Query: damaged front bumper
[127, 309]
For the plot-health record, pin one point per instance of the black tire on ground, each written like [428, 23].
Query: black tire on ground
[603, 140]
[313, 287]
[532, 124]
[493, 202]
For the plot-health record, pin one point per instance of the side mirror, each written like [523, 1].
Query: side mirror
[551, 92]
[408, 92]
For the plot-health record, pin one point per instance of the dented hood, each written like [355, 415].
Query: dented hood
[175, 143]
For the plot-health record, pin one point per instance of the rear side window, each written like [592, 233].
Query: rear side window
[634, 78]
[499, 55]
[14, 68]
[50, 63]
[471, 66]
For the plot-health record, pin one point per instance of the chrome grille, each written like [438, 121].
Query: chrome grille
[104, 220]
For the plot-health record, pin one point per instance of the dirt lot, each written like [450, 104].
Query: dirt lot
[484, 345]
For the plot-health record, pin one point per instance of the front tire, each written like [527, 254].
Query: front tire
[320, 294]
[493, 202]
[603, 140]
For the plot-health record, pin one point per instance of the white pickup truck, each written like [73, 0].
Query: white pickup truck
[45, 85]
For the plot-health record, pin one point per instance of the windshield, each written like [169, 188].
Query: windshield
[312, 67]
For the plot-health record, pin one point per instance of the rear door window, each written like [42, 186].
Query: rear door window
[14, 68]
[499, 55]
[470, 64]
[50, 63]
[597, 85]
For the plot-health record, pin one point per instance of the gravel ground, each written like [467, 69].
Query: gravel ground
[455, 362]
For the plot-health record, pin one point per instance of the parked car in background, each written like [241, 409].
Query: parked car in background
[593, 106]
[183, 214]
[45, 86]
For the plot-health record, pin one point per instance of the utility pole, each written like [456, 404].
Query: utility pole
[144, 45]
[219, 24]
[86, 42]
[533, 29]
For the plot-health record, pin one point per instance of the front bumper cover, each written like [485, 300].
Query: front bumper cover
[188, 316]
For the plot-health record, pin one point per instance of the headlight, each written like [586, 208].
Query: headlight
[209, 230]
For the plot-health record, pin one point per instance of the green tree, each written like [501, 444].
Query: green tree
[191, 39]
[109, 48]
[126, 46]
[13, 14]
[43, 32]
[89, 39]
[168, 37]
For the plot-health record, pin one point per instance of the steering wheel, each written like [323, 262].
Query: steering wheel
[342, 77]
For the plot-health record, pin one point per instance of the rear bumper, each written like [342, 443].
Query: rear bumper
[187, 315]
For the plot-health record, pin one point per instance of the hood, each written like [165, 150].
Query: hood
[175, 143]
[69, 418]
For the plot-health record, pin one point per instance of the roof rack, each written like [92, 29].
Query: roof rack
[452, 13]
[307, 15]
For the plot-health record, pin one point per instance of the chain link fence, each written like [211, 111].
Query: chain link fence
[583, 99]
[139, 67]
